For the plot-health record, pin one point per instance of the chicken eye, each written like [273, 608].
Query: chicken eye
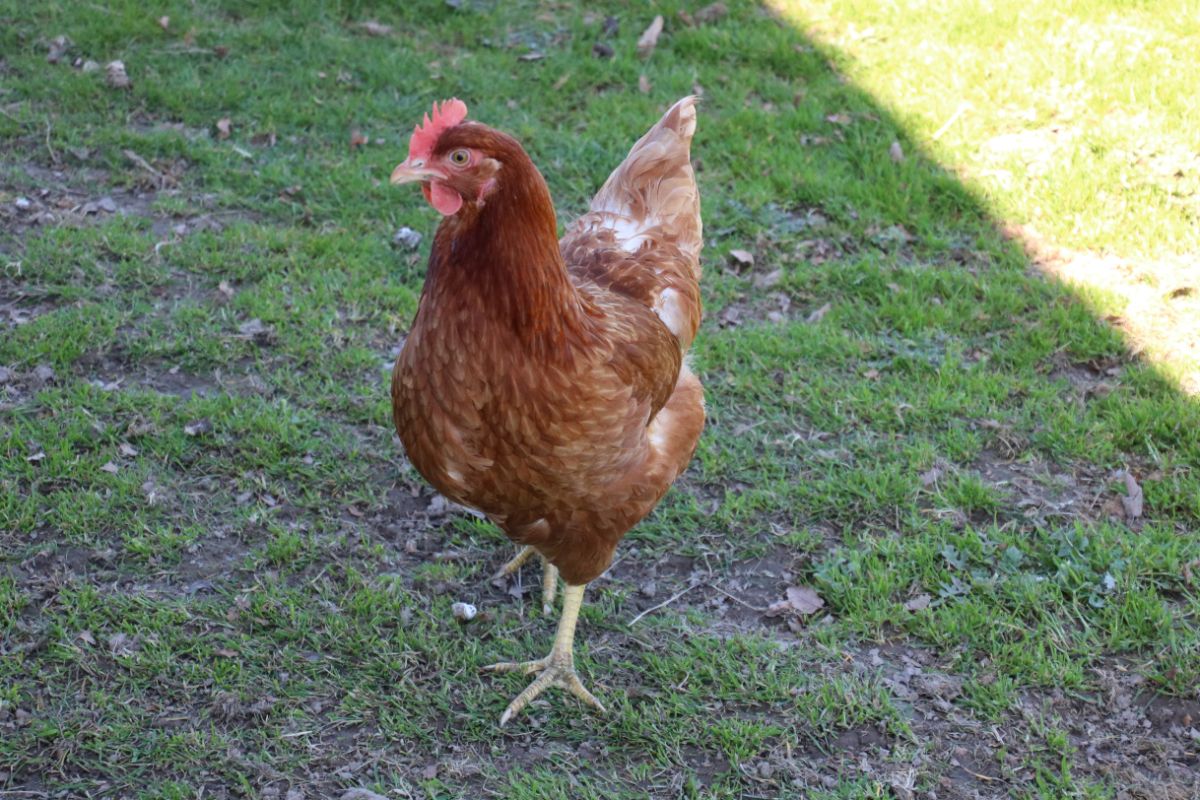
[460, 158]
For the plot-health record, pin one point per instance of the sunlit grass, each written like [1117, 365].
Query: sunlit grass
[216, 568]
[1076, 121]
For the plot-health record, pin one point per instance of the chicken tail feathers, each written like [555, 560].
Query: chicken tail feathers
[643, 234]
[655, 185]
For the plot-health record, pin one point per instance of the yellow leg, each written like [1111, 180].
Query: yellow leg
[558, 668]
[514, 563]
[549, 575]
[549, 586]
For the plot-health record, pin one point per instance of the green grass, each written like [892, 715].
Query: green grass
[219, 575]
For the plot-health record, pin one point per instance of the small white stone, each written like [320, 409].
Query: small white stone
[22, 204]
[407, 237]
[464, 612]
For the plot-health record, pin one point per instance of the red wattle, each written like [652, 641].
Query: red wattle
[444, 199]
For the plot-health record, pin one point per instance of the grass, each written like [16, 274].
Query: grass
[218, 575]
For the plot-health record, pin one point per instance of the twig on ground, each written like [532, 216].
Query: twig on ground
[144, 164]
[953, 118]
[739, 600]
[10, 116]
[666, 602]
[49, 147]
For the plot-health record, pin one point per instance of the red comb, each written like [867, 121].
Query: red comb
[425, 136]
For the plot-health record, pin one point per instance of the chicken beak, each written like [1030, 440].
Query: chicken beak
[411, 170]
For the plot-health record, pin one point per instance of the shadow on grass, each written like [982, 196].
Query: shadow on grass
[906, 416]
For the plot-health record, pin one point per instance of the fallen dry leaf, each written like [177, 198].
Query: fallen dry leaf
[1134, 500]
[840, 118]
[768, 280]
[804, 600]
[127, 450]
[532, 55]
[918, 603]
[116, 76]
[224, 288]
[257, 330]
[711, 13]
[930, 477]
[198, 427]
[778, 607]
[743, 257]
[731, 317]
[121, 645]
[644, 84]
[1112, 507]
[562, 81]
[896, 152]
[357, 139]
[59, 46]
[224, 128]
[649, 38]
[164, 22]
[819, 314]
[373, 28]
[357, 793]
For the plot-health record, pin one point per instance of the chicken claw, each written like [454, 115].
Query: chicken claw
[549, 575]
[558, 668]
[514, 563]
[554, 673]
[549, 586]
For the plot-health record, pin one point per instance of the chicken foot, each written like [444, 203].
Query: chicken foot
[514, 563]
[549, 575]
[558, 668]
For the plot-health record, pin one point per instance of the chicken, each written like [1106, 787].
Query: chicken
[544, 382]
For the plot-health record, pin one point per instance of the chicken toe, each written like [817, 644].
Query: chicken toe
[514, 563]
[558, 668]
[549, 575]
[553, 673]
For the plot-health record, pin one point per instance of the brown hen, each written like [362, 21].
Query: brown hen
[544, 381]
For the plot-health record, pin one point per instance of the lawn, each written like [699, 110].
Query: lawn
[219, 577]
